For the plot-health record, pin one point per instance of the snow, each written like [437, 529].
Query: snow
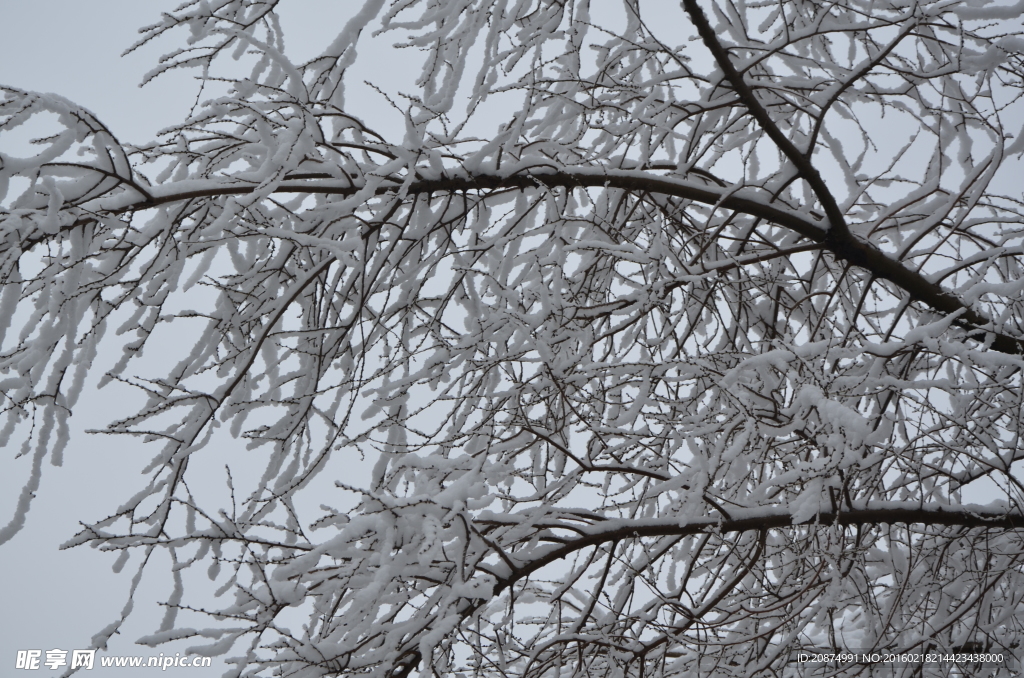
[564, 368]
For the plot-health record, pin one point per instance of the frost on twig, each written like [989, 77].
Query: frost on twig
[670, 340]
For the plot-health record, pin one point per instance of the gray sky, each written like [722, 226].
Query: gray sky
[59, 599]
[73, 48]
[52, 598]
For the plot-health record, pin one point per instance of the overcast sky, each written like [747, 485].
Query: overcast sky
[51, 598]
[59, 599]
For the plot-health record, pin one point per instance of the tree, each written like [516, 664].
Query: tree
[677, 338]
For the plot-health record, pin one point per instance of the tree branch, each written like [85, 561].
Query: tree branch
[874, 513]
[845, 247]
[800, 160]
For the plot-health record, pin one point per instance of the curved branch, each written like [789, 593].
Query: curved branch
[837, 237]
[800, 160]
[873, 513]
[843, 245]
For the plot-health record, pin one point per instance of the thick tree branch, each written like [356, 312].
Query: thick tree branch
[800, 159]
[873, 514]
[847, 248]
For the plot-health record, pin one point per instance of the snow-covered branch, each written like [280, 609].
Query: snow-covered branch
[621, 341]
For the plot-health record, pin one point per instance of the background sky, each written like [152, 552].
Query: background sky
[59, 599]
[52, 598]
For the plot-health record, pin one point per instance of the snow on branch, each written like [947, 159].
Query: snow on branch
[614, 341]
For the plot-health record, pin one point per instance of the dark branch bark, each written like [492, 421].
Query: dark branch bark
[624, 530]
[800, 159]
[963, 518]
[837, 237]
[845, 247]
